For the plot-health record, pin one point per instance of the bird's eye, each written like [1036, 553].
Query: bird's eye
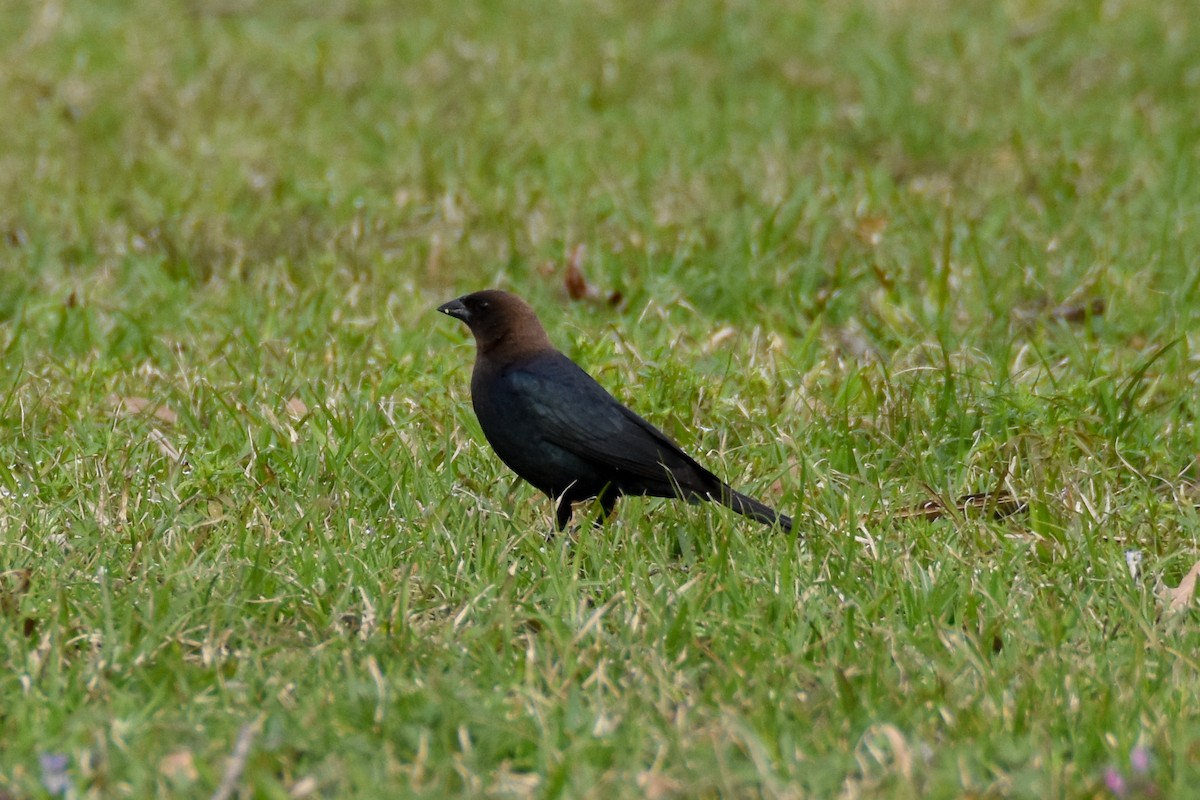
[482, 305]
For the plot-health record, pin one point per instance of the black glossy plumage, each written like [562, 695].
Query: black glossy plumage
[559, 429]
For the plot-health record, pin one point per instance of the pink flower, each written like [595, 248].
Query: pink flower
[1115, 782]
[1139, 759]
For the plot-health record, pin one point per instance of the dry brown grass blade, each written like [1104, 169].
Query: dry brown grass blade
[993, 505]
[237, 760]
[164, 446]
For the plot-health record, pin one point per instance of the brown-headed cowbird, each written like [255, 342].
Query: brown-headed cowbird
[553, 425]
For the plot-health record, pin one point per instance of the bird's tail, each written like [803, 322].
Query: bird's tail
[749, 507]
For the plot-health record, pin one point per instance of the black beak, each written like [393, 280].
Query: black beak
[456, 309]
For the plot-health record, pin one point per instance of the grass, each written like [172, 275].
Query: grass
[860, 250]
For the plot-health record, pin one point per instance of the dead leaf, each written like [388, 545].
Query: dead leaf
[179, 766]
[1072, 313]
[870, 229]
[296, 407]
[1079, 312]
[655, 785]
[1181, 596]
[576, 285]
[139, 406]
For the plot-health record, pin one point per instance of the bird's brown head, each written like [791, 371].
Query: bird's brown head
[501, 322]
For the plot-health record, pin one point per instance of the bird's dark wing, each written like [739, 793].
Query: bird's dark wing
[577, 414]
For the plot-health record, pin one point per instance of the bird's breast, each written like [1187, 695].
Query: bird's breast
[518, 436]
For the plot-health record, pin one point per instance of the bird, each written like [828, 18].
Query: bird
[551, 423]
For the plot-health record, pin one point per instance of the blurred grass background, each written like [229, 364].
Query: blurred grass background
[868, 255]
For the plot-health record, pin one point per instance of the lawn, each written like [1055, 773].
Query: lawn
[864, 259]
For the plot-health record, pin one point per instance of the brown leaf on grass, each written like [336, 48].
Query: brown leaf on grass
[1182, 595]
[656, 786]
[1072, 313]
[179, 767]
[1079, 312]
[141, 406]
[296, 407]
[13, 584]
[577, 285]
[870, 229]
[997, 505]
